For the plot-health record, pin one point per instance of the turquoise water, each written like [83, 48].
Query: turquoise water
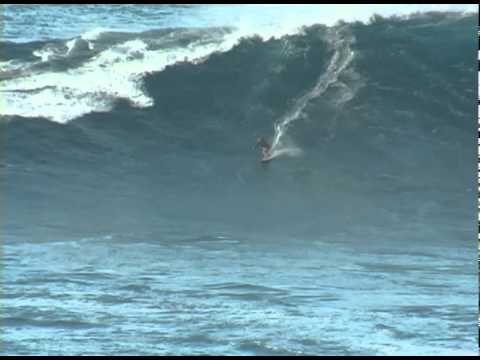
[236, 295]
[139, 221]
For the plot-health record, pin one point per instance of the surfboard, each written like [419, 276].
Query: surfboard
[281, 152]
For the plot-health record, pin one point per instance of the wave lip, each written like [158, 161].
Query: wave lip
[97, 73]
[64, 79]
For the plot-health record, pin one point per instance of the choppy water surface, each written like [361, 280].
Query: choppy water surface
[139, 220]
[223, 294]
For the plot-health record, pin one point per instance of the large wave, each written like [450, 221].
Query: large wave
[121, 128]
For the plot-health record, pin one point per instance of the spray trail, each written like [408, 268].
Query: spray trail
[341, 58]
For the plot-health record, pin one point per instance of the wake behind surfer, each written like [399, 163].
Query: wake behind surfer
[264, 147]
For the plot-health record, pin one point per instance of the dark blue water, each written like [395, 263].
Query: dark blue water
[138, 220]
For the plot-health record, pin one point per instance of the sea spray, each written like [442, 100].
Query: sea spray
[341, 58]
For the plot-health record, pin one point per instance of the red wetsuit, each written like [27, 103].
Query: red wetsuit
[264, 147]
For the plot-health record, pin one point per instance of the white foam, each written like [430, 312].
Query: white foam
[340, 60]
[118, 71]
[273, 20]
[44, 54]
[114, 73]
[77, 42]
[287, 151]
[11, 65]
[95, 33]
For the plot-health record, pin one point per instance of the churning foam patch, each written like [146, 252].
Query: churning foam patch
[95, 33]
[278, 20]
[118, 71]
[114, 73]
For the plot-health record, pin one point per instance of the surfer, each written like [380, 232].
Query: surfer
[264, 147]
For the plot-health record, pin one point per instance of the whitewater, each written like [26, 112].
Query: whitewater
[137, 218]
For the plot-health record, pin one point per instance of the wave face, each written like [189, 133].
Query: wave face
[118, 129]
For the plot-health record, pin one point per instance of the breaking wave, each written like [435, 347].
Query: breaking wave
[131, 126]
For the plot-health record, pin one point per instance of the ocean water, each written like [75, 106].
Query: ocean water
[136, 218]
